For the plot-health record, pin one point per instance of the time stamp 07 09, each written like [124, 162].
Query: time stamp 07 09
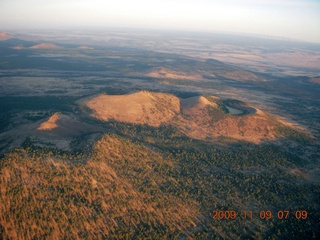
[262, 214]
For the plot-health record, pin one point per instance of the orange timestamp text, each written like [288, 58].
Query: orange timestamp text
[263, 214]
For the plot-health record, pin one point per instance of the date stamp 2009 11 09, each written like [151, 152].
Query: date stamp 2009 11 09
[263, 214]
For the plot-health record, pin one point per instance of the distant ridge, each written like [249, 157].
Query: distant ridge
[218, 70]
[167, 73]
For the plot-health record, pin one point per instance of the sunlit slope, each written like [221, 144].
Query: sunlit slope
[51, 123]
[126, 189]
[62, 125]
[119, 191]
[142, 107]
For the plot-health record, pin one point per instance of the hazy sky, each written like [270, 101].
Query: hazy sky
[299, 19]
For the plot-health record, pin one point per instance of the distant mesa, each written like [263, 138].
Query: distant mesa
[4, 36]
[45, 46]
[200, 117]
[167, 73]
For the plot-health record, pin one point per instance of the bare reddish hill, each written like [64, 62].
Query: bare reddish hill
[51, 123]
[205, 118]
[140, 108]
[64, 126]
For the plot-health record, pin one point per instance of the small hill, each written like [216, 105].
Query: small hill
[45, 46]
[194, 105]
[204, 118]
[212, 123]
[166, 73]
[141, 108]
[51, 123]
[210, 117]
[62, 125]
